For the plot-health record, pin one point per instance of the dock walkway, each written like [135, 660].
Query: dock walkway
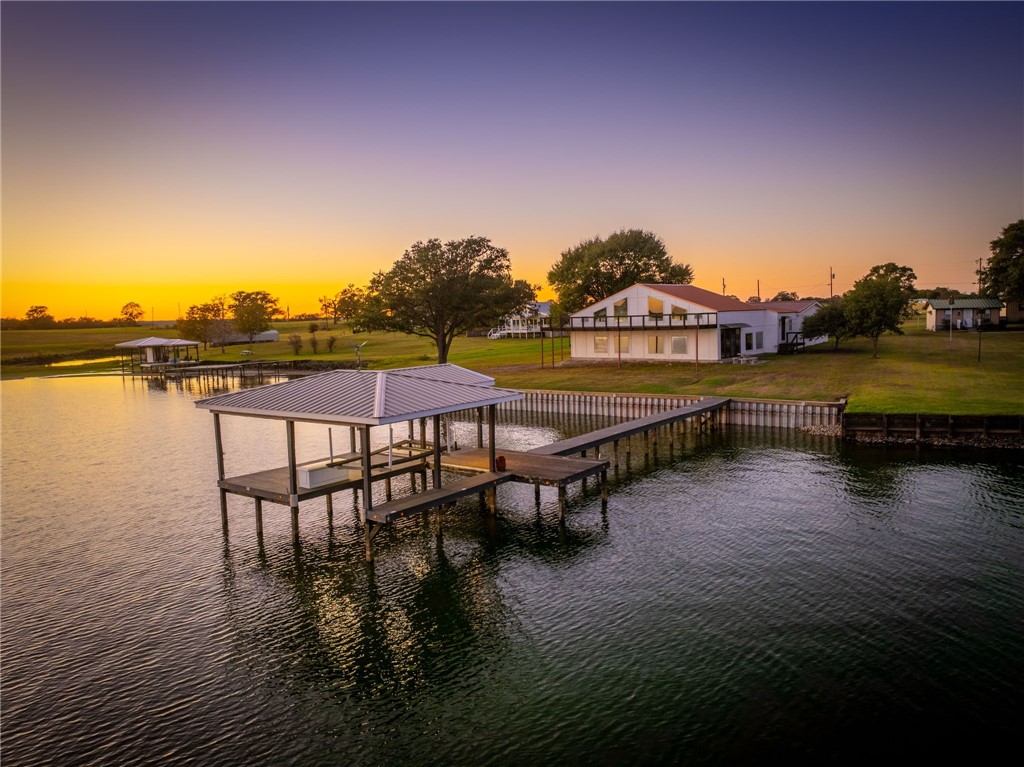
[594, 439]
[388, 512]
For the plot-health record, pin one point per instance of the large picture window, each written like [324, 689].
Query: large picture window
[600, 344]
[679, 344]
[622, 344]
[655, 345]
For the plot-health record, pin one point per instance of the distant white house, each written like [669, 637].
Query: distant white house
[684, 322]
[527, 324]
[964, 313]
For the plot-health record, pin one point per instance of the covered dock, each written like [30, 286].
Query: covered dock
[153, 354]
[363, 400]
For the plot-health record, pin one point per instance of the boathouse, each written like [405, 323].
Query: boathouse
[686, 323]
[362, 400]
[153, 353]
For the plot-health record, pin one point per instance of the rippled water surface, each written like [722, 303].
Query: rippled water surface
[755, 595]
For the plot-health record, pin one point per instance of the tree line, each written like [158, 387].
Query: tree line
[38, 317]
[439, 290]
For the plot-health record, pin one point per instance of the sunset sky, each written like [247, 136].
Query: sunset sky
[165, 153]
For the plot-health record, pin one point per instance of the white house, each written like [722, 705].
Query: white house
[527, 324]
[684, 322]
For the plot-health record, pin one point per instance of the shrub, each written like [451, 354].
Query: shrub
[331, 341]
[295, 341]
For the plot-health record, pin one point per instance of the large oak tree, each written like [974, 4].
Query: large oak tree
[439, 290]
[596, 268]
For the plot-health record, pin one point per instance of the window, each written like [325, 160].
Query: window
[678, 312]
[600, 344]
[748, 342]
[622, 344]
[679, 344]
[759, 340]
[601, 315]
[655, 307]
[621, 308]
[655, 345]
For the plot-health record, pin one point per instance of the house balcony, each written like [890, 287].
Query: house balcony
[693, 320]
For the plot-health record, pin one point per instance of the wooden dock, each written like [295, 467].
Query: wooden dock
[612, 434]
[558, 465]
[416, 503]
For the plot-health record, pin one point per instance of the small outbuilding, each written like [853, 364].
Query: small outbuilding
[962, 313]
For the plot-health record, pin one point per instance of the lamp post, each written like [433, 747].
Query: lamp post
[951, 319]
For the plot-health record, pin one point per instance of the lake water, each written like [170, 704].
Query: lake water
[761, 595]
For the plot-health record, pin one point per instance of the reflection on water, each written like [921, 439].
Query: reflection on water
[752, 595]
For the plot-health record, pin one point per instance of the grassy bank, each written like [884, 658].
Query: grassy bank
[919, 372]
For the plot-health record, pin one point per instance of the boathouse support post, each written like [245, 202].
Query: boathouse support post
[491, 457]
[293, 480]
[330, 509]
[561, 503]
[367, 466]
[492, 492]
[218, 445]
[479, 427]
[437, 451]
[259, 519]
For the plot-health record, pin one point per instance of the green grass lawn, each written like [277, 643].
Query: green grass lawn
[920, 372]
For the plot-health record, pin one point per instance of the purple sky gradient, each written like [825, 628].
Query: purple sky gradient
[166, 152]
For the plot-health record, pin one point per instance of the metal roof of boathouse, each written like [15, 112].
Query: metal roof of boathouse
[367, 397]
[154, 341]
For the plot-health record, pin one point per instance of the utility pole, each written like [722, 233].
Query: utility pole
[831, 276]
[979, 293]
[723, 286]
[759, 291]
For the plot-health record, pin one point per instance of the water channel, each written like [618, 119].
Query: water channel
[759, 594]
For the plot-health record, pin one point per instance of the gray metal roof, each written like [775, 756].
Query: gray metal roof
[966, 303]
[447, 372]
[143, 343]
[365, 397]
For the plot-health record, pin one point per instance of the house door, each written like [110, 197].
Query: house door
[783, 321]
[730, 342]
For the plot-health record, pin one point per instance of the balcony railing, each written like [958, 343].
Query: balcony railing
[689, 321]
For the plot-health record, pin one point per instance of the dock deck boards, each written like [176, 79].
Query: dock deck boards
[272, 484]
[388, 512]
[526, 467]
[628, 428]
